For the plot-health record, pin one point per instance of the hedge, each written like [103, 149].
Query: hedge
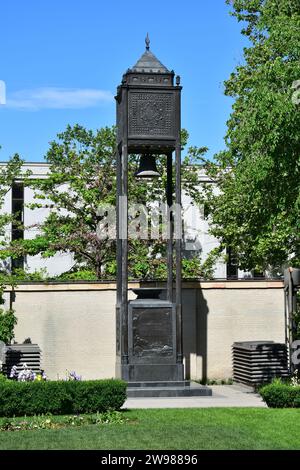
[281, 395]
[59, 397]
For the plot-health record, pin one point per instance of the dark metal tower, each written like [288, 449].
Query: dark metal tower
[149, 330]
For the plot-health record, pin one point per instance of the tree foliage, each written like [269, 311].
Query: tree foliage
[257, 209]
[8, 321]
[8, 174]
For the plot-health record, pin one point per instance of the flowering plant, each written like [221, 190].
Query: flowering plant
[41, 376]
[73, 376]
[26, 374]
[54, 422]
[295, 380]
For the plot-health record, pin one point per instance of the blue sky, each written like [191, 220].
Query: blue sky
[62, 60]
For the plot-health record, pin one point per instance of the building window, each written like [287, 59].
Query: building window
[17, 230]
[232, 265]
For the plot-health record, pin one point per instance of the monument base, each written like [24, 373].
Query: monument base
[152, 346]
[150, 372]
[184, 388]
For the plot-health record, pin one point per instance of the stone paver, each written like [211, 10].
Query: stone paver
[223, 396]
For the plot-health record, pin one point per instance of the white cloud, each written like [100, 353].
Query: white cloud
[2, 93]
[57, 98]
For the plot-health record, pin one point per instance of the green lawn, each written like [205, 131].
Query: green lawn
[212, 428]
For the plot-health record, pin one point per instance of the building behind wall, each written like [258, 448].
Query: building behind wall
[16, 202]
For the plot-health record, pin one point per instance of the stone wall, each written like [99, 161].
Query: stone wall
[74, 324]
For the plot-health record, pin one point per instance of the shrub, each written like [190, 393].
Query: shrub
[80, 275]
[281, 395]
[8, 321]
[56, 422]
[60, 397]
[96, 395]
[3, 378]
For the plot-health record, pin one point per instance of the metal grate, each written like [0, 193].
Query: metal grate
[256, 362]
[19, 354]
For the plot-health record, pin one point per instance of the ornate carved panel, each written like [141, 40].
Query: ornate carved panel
[154, 79]
[152, 332]
[151, 114]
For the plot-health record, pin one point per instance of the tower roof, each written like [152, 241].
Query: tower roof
[148, 62]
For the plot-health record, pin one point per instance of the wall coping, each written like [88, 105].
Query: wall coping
[111, 285]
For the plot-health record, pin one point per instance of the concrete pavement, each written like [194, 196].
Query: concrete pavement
[223, 396]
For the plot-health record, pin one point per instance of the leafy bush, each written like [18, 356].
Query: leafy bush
[3, 378]
[96, 395]
[56, 422]
[281, 395]
[60, 397]
[8, 321]
[19, 274]
[80, 275]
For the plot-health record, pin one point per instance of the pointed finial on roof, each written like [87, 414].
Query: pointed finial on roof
[148, 63]
[147, 41]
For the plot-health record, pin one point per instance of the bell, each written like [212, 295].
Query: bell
[147, 167]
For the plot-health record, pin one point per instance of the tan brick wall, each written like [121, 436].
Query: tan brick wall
[75, 330]
[74, 324]
[224, 316]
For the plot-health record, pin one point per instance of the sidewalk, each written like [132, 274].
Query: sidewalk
[223, 396]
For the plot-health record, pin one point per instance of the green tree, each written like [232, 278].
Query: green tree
[257, 209]
[82, 175]
[8, 174]
[8, 321]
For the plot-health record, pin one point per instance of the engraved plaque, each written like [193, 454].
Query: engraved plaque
[151, 114]
[152, 332]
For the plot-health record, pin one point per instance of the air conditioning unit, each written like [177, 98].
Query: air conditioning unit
[257, 362]
[20, 354]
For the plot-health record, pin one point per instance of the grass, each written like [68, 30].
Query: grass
[183, 429]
